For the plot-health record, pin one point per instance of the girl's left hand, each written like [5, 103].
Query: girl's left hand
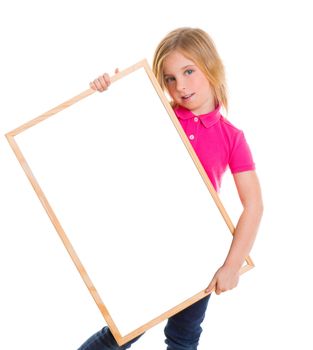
[225, 278]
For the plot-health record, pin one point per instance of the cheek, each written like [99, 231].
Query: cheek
[171, 91]
[195, 84]
[199, 82]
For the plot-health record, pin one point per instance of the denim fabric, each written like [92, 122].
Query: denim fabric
[182, 331]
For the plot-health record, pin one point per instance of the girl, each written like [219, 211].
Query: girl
[190, 70]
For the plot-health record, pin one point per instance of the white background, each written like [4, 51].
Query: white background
[51, 50]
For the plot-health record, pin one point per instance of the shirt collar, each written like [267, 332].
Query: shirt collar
[207, 119]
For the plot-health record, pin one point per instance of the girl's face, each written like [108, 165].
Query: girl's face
[187, 84]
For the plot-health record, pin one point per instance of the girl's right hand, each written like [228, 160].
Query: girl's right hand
[102, 82]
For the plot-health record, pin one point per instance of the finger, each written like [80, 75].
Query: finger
[98, 85]
[211, 286]
[101, 83]
[218, 291]
[105, 80]
[116, 70]
[92, 85]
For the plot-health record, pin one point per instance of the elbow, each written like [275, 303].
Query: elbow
[259, 207]
[255, 208]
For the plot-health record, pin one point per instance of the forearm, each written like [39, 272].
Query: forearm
[244, 236]
[227, 276]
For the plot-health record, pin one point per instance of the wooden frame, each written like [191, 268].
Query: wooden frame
[11, 137]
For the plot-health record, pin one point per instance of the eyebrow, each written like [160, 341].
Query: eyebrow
[182, 68]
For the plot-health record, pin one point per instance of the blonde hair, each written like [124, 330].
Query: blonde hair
[197, 46]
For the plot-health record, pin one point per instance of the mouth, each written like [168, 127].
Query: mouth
[187, 97]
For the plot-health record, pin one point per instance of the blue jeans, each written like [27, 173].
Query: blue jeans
[182, 331]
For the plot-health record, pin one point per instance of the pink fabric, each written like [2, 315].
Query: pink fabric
[217, 143]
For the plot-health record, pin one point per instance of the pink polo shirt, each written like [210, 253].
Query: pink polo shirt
[217, 143]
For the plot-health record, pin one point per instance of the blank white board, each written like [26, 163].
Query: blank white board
[129, 199]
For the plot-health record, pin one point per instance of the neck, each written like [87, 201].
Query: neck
[206, 108]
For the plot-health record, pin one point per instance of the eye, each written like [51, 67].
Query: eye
[189, 71]
[169, 79]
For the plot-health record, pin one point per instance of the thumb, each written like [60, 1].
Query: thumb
[211, 286]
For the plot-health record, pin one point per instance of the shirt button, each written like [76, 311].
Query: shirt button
[191, 137]
[195, 119]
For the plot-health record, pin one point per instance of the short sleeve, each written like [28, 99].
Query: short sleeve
[240, 156]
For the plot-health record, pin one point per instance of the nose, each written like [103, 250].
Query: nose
[180, 85]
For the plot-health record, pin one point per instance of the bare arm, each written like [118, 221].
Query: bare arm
[249, 191]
